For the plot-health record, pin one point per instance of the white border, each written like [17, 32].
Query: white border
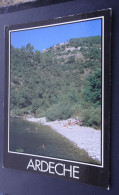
[102, 133]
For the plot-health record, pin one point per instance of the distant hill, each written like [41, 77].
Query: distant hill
[55, 82]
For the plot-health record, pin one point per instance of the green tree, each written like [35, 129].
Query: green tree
[29, 48]
[92, 89]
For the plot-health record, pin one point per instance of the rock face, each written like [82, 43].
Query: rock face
[13, 2]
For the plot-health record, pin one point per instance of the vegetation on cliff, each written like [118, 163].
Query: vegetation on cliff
[60, 82]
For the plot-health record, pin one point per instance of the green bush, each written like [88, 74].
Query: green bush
[59, 111]
[92, 117]
[20, 112]
[92, 88]
[40, 112]
[71, 59]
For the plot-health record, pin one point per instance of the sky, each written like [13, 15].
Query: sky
[43, 38]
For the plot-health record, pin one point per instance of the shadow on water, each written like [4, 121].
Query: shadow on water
[33, 138]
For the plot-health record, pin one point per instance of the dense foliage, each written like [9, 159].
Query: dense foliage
[61, 82]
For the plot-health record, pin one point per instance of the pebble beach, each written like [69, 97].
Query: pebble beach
[85, 138]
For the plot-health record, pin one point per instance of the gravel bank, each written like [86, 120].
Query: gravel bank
[85, 138]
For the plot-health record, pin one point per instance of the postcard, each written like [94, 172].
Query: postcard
[56, 108]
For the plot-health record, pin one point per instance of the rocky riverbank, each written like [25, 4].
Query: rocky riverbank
[85, 138]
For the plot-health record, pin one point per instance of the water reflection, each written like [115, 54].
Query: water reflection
[33, 138]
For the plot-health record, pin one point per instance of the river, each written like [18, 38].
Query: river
[38, 139]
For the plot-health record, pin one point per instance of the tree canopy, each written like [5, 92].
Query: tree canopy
[59, 82]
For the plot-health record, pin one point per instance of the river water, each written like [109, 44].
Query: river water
[33, 138]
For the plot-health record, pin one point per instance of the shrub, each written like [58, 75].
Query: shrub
[92, 117]
[59, 111]
[40, 112]
[71, 59]
[92, 89]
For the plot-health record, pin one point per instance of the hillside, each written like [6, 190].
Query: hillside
[59, 82]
